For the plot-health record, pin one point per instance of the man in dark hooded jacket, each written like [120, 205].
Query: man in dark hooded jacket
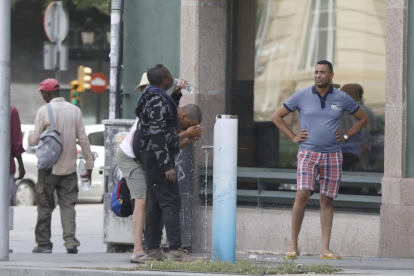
[159, 126]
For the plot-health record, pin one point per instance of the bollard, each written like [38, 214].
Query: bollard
[225, 188]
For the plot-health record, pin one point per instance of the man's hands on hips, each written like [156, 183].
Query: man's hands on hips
[88, 176]
[301, 136]
[171, 175]
[339, 136]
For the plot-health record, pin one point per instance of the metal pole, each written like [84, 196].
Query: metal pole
[58, 41]
[116, 18]
[98, 96]
[225, 188]
[4, 127]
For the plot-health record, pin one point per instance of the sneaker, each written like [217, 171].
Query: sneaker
[180, 255]
[155, 254]
[42, 249]
[72, 249]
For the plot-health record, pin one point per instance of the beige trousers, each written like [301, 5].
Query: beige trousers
[66, 187]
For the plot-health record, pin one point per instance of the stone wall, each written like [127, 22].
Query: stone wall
[203, 64]
[397, 210]
[268, 231]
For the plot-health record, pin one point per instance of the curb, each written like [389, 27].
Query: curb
[25, 271]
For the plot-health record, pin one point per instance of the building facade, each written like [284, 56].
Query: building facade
[245, 58]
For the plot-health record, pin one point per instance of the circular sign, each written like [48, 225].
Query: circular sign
[98, 82]
[51, 20]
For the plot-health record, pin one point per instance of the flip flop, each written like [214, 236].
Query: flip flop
[139, 259]
[291, 255]
[327, 257]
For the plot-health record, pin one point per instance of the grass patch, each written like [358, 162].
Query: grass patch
[240, 267]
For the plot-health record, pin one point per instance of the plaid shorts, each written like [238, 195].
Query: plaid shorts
[327, 165]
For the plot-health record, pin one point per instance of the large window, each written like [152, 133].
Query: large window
[319, 34]
[275, 45]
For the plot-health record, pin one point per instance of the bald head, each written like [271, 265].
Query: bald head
[193, 112]
[189, 115]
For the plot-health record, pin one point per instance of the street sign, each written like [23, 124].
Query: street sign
[50, 56]
[98, 82]
[54, 19]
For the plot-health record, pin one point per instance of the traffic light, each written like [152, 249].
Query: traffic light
[84, 78]
[74, 94]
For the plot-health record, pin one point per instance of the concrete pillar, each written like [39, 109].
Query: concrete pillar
[397, 210]
[203, 64]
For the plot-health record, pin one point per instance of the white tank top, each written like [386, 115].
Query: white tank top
[126, 144]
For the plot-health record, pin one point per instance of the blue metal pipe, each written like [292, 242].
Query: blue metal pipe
[225, 188]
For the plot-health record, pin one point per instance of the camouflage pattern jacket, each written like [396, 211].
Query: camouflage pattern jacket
[157, 130]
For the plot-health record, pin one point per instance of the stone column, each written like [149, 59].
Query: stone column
[397, 210]
[203, 64]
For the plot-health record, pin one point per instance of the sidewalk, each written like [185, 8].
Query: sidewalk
[92, 261]
[103, 264]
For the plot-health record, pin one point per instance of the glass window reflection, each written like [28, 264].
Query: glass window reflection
[276, 58]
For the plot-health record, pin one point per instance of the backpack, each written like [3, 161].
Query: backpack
[121, 203]
[50, 146]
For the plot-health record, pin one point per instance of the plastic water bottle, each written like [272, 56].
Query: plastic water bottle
[86, 184]
[184, 84]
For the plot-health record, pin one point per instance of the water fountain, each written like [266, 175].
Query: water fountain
[225, 188]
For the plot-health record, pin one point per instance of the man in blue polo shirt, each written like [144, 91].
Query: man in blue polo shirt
[320, 110]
